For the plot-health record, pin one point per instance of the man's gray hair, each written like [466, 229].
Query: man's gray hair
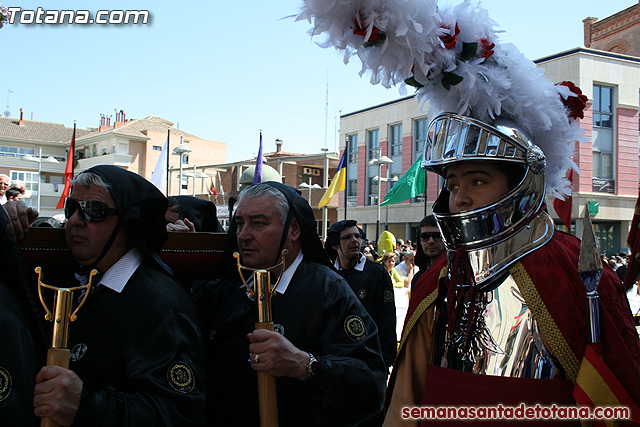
[4, 176]
[88, 179]
[265, 190]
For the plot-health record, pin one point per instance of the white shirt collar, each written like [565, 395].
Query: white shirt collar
[359, 265]
[116, 277]
[288, 273]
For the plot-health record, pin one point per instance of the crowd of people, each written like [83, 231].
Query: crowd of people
[144, 352]
[495, 307]
[14, 191]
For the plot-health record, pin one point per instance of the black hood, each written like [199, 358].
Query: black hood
[202, 213]
[300, 209]
[141, 206]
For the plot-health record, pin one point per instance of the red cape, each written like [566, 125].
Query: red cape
[553, 272]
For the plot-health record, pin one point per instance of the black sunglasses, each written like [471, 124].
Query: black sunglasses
[90, 210]
[435, 236]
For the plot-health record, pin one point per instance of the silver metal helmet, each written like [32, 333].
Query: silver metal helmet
[495, 235]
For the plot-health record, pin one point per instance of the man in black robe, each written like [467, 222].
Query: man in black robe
[368, 280]
[136, 351]
[325, 351]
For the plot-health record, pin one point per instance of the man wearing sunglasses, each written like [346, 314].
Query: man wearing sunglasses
[430, 247]
[136, 352]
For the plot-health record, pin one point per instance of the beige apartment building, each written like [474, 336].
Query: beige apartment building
[134, 144]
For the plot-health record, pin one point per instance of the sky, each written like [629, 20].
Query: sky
[224, 70]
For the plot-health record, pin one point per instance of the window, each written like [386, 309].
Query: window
[352, 145]
[15, 151]
[157, 148]
[395, 139]
[420, 127]
[185, 159]
[373, 144]
[352, 188]
[602, 138]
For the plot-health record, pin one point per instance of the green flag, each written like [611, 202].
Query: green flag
[410, 185]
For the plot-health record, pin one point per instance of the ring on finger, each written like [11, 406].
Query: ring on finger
[256, 358]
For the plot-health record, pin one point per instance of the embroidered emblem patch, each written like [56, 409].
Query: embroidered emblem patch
[362, 293]
[180, 377]
[355, 329]
[5, 384]
[388, 296]
[278, 328]
[77, 352]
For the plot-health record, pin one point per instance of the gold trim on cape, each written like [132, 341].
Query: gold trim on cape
[549, 330]
[424, 304]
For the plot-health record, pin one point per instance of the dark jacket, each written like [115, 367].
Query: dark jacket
[318, 313]
[373, 288]
[22, 352]
[139, 354]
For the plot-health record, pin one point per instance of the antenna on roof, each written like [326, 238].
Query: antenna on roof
[7, 112]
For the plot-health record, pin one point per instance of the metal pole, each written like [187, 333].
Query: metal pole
[346, 174]
[194, 180]
[386, 221]
[379, 195]
[325, 185]
[39, 176]
[180, 178]
[168, 148]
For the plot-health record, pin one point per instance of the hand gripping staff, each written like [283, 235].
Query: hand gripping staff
[263, 292]
[58, 354]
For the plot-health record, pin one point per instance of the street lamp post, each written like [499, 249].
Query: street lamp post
[310, 187]
[383, 160]
[180, 150]
[387, 179]
[39, 160]
[325, 185]
[195, 175]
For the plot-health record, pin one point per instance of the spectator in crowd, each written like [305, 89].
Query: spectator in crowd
[4, 186]
[13, 194]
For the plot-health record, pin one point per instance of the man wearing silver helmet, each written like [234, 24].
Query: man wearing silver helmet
[508, 301]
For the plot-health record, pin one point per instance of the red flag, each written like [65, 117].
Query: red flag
[597, 386]
[633, 241]
[563, 207]
[212, 188]
[68, 172]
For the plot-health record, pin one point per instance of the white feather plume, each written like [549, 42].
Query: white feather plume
[412, 46]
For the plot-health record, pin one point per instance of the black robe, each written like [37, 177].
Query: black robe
[373, 288]
[22, 343]
[319, 314]
[139, 354]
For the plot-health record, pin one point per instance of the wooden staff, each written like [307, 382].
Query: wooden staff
[58, 354]
[263, 292]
